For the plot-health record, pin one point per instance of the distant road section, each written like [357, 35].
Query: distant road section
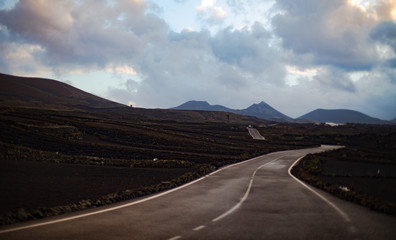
[255, 134]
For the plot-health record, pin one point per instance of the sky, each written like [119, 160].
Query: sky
[295, 55]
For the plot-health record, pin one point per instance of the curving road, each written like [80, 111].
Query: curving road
[256, 199]
[255, 134]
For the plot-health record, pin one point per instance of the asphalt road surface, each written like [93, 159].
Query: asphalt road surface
[255, 134]
[256, 199]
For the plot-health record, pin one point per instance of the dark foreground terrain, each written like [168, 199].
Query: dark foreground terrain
[363, 172]
[64, 150]
[52, 159]
[38, 184]
[61, 161]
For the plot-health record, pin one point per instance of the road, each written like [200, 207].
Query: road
[255, 199]
[255, 134]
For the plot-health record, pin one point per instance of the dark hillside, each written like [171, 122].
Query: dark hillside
[54, 95]
[40, 92]
[340, 116]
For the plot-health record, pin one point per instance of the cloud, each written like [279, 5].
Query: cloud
[247, 49]
[125, 52]
[334, 78]
[21, 59]
[333, 32]
[47, 18]
[210, 13]
[385, 10]
[218, 13]
[385, 32]
[121, 70]
[132, 85]
[382, 105]
[73, 34]
[238, 6]
[231, 78]
[378, 89]
[196, 65]
[205, 6]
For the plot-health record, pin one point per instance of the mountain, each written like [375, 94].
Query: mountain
[264, 111]
[46, 94]
[41, 92]
[202, 106]
[340, 116]
[51, 94]
[261, 110]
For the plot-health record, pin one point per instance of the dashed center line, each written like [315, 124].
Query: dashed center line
[239, 203]
[199, 228]
[175, 238]
[230, 211]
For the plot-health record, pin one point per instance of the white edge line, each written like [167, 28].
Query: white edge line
[339, 211]
[128, 204]
[104, 210]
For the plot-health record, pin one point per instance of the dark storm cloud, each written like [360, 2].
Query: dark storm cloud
[383, 105]
[233, 46]
[335, 78]
[385, 32]
[331, 31]
[75, 34]
[246, 48]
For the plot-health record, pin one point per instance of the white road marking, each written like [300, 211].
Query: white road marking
[128, 204]
[101, 211]
[339, 211]
[230, 211]
[352, 229]
[175, 238]
[199, 228]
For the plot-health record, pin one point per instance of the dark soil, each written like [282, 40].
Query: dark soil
[31, 185]
[57, 158]
[376, 187]
[364, 172]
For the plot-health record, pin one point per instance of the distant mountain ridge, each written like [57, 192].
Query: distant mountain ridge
[261, 110]
[341, 116]
[51, 94]
[264, 111]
